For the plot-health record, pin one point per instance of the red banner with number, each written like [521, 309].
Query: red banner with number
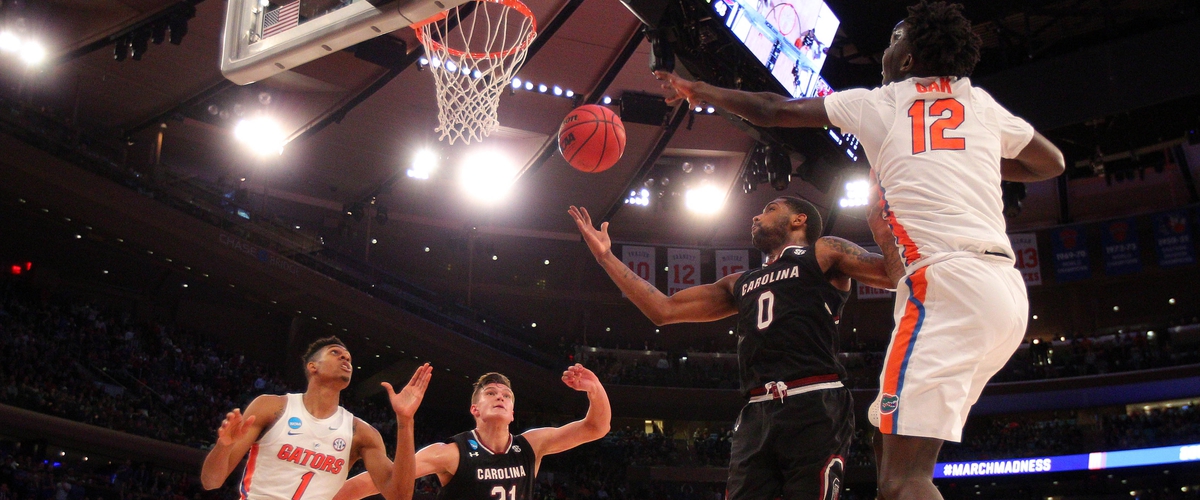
[640, 260]
[683, 269]
[731, 262]
[1024, 245]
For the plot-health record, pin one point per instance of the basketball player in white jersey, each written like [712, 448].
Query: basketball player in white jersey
[489, 462]
[938, 149]
[302, 445]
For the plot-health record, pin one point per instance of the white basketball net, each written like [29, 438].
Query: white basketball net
[473, 63]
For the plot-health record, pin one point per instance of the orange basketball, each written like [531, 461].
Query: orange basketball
[591, 138]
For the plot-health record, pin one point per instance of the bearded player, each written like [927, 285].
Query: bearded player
[489, 462]
[938, 148]
[792, 436]
[302, 445]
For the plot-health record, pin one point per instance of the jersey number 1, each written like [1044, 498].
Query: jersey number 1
[303, 485]
[499, 494]
[937, 129]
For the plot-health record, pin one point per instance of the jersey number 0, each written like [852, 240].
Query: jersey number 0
[937, 129]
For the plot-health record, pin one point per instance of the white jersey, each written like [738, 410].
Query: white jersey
[935, 146]
[300, 456]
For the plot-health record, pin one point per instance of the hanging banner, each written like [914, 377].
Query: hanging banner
[731, 262]
[1120, 241]
[640, 260]
[1173, 236]
[683, 269]
[1024, 245]
[867, 292]
[1070, 254]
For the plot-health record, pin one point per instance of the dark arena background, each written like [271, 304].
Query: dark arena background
[170, 242]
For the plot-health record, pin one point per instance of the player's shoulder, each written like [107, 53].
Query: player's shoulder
[269, 403]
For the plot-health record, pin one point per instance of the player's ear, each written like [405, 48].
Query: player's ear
[906, 64]
[799, 220]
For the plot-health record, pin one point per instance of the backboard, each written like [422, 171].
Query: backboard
[265, 37]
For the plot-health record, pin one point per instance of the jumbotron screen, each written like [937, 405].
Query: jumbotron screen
[789, 37]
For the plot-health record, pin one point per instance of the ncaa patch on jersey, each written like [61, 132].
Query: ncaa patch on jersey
[474, 445]
[294, 422]
[889, 403]
[339, 444]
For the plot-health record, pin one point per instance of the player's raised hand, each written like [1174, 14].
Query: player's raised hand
[597, 240]
[581, 379]
[233, 427]
[406, 402]
[677, 88]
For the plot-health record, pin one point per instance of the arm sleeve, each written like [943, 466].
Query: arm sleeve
[1015, 133]
[845, 109]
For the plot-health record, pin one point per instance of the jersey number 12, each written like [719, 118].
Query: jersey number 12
[937, 129]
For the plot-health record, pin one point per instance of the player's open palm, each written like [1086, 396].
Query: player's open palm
[677, 87]
[597, 239]
[406, 402]
[233, 427]
[581, 379]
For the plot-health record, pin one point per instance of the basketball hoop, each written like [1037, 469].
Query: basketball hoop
[473, 56]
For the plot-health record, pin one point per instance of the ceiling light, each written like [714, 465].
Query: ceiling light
[426, 249]
[705, 199]
[424, 163]
[1034, 316]
[9, 42]
[698, 109]
[570, 93]
[1171, 301]
[528, 85]
[607, 100]
[33, 53]
[710, 110]
[516, 83]
[487, 175]
[542, 88]
[263, 135]
[855, 194]
[495, 257]
[534, 325]
[450, 66]
[558, 90]
[546, 262]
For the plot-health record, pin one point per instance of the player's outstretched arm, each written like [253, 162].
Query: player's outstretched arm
[395, 480]
[1040, 160]
[764, 109]
[550, 440]
[695, 304]
[438, 458]
[852, 261]
[235, 436]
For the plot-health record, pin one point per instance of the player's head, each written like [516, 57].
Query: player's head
[493, 399]
[781, 219]
[328, 360]
[934, 40]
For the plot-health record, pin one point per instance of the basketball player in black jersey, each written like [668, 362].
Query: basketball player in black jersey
[793, 433]
[489, 463]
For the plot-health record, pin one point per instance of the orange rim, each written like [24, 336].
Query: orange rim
[512, 4]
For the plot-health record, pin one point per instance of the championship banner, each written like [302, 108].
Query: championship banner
[1173, 236]
[683, 269]
[1024, 245]
[1120, 241]
[868, 292]
[1070, 254]
[731, 262]
[640, 260]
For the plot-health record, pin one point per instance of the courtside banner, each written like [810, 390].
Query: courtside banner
[868, 292]
[1070, 254]
[640, 260]
[683, 269]
[731, 262]
[1120, 241]
[1024, 245]
[1062, 463]
[1173, 236]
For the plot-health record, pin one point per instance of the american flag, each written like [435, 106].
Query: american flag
[281, 19]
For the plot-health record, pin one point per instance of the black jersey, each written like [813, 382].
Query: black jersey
[486, 475]
[787, 321]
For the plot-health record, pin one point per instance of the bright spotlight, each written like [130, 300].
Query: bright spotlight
[262, 135]
[516, 83]
[705, 199]
[9, 42]
[856, 194]
[435, 62]
[570, 93]
[607, 100]
[33, 53]
[424, 163]
[528, 85]
[487, 175]
[450, 66]
[542, 88]
[558, 90]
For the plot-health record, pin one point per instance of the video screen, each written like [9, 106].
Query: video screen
[789, 37]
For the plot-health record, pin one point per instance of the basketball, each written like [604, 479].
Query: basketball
[591, 138]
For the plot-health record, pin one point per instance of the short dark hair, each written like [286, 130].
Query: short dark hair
[487, 379]
[941, 39]
[319, 344]
[801, 206]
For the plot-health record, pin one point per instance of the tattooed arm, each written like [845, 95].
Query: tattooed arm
[696, 304]
[844, 260]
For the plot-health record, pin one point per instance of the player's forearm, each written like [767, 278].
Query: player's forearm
[216, 467]
[356, 488]
[893, 263]
[402, 482]
[645, 296]
[599, 416]
[759, 108]
[1038, 161]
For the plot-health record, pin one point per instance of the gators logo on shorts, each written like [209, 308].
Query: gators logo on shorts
[888, 404]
